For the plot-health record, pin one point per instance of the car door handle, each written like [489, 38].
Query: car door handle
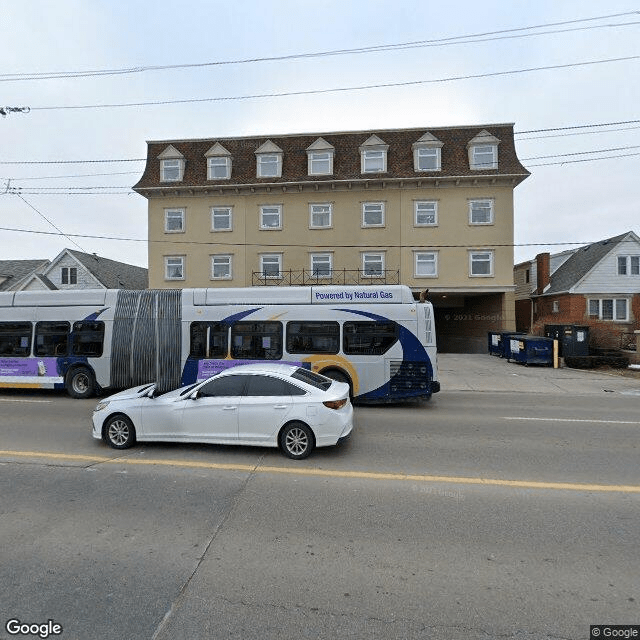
[279, 406]
[229, 408]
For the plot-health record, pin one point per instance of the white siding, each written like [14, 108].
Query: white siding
[85, 279]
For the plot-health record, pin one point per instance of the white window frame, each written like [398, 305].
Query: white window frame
[218, 161]
[369, 257]
[176, 214]
[222, 259]
[419, 257]
[276, 210]
[473, 260]
[175, 262]
[420, 153]
[69, 274]
[315, 158]
[484, 157]
[484, 203]
[217, 212]
[265, 160]
[314, 210]
[631, 265]
[271, 258]
[369, 205]
[373, 156]
[323, 257]
[426, 204]
[169, 166]
[614, 309]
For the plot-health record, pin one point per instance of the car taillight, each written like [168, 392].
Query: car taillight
[335, 404]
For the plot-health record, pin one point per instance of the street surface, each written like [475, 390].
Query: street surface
[478, 515]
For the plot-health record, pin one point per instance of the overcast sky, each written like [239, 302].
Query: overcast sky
[576, 196]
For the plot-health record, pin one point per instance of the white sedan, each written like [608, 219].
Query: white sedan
[270, 405]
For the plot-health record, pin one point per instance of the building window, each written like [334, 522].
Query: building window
[69, 275]
[628, 265]
[271, 265]
[484, 157]
[481, 264]
[480, 211]
[373, 214]
[221, 219]
[374, 161]
[427, 159]
[174, 268]
[426, 213]
[271, 216]
[320, 216]
[269, 165]
[321, 265]
[320, 163]
[172, 169]
[609, 309]
[221, 267]
[373, 265]
[174, 220]
[426, 264]
[555, 308]
[218, 168]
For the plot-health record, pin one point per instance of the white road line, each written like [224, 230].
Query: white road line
[24, 400]
[572, 420]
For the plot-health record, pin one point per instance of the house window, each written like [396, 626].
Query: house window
[218, 168]
[221, 267]
[320, 163]
[427, 159]
[481, 264]
[269, 165]
[373, 265]
[480, 211]
[69, 275]
[174, 220]
[374, 161]
[609, 309]
[271, 216]
[172, 169]
[484, 157]
[271, 265]
[373, 214]
[628, 265]
[555, 307]
[321, 265]
[174, 268]
[426, 213]
[426, 264]
[221, 219]
[320, 216]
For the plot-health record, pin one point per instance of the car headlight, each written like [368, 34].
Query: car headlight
[101, 405]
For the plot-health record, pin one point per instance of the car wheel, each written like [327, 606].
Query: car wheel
[80, 383]
[118, 432]
[297, 440]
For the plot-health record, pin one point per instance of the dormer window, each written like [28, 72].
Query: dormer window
[483, 151]
[373, 156]
[269, 161]
[427, 153]
[218, 163]
[320, 158]
[171, 165]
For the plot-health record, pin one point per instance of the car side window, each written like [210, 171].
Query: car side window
[225, 386]
[270, 386]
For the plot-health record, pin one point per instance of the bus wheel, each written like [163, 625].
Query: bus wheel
[80, 383]
[338, 376]
[118, 432]
[297, 440]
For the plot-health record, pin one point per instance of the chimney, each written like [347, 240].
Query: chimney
[543, 269]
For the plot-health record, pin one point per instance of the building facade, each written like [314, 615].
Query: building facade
[429, 208]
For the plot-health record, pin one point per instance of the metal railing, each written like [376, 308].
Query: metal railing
[306, 277]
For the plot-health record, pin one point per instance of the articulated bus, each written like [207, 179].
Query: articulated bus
[378, 339]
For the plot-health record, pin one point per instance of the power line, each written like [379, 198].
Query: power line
[581, 153]
[447, 41]
[548, 164]
[384, 85]
[577, 126]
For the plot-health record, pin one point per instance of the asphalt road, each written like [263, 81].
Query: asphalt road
[475, 516]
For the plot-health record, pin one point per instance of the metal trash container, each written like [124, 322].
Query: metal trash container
[573, 340]
[505, 341]
[528, 350]
[494, 340]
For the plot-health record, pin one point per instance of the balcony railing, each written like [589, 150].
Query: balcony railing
[306, 277]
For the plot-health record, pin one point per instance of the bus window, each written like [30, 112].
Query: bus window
[256, 340]
[313, 337]
[52, 338]
[88, 338]
[369, 338]
[15, 339]
[208, 340]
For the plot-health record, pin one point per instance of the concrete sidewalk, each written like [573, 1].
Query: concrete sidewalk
[479, 372]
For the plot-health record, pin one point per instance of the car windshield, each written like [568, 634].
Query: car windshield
[314, 379]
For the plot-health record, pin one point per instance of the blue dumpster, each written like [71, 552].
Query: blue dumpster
[495, 343]
[505, 341]
[527, 350]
